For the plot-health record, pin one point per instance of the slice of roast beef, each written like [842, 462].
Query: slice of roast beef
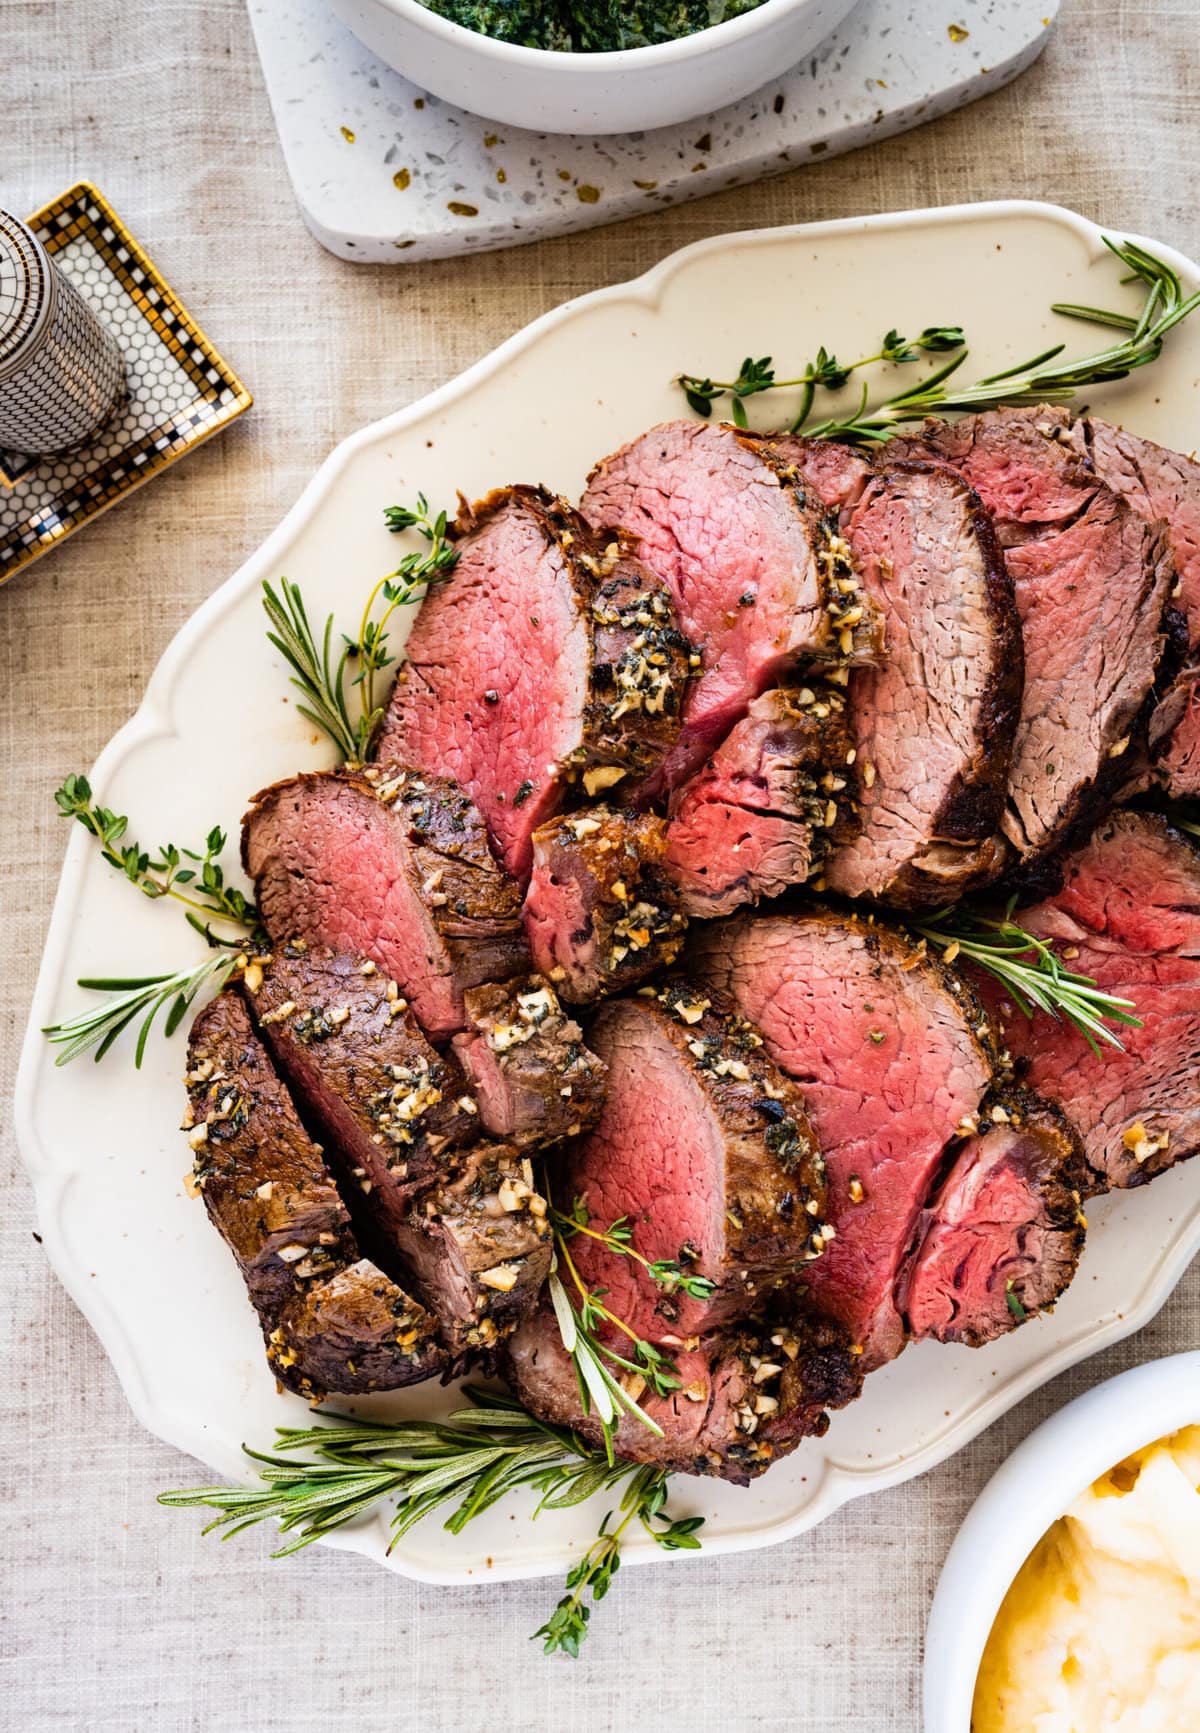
[600, 913]
[331, 1320]
[391, 1108]
[533, 1078]
[1001, 1237]
[393, 867]
[763, 811]
[704, 1148]
[1128, 915]
[1175, 738]
[760, 579]
[549, 654]
[1162, 484]
[1093, 584]
[745, 1398]
[892, 1061]
[934, 723]
[478, 1247]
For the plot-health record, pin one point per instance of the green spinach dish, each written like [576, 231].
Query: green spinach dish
[583, 28]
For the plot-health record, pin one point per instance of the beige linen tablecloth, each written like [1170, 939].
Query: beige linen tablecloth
[117, 1614]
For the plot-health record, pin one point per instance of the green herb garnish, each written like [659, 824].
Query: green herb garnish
[1014, 1304]
[1044, 378]
[474, 1457]
[322, 672]
[666, 1273]
[1030, 971]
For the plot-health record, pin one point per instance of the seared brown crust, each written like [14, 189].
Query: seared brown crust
[631, 712]
[535, 1080]
[472, 906]
[774, 1175]
[601, 913]
[864, 641]
[479, 1247]
[269, 1194]
[970, 814]
[392, 1109]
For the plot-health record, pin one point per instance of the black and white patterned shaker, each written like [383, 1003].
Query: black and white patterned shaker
[61, 372]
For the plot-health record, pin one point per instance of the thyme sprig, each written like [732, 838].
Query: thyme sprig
[824, 371]
[666, 1273]
[1031, 972]
[339, 685]
[1044, 378]
[133, 997]
[473, 1458]
[200, 886]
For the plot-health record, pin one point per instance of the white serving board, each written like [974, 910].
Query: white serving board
[892, 65]
[102, 1142]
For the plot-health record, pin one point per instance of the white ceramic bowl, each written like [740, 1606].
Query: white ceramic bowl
[633, 90]
[1041, 1479]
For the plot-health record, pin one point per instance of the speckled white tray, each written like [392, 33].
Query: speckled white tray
[386, 173]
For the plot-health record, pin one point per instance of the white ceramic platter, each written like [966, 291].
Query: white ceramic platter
[101, 1141]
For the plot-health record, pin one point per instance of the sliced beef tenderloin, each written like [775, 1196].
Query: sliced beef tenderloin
[478, 1247]
[392, 1110]
[332, 1321]
[1128, 915]
[1162, 484]
[745, 1398]
[550, 653]
[760, 579]
[1001, 1237]
[764, 810]
[891, 1054]
[933, 724]
[534, 1079]
[395, 868]
[601, 913]
[1093, 583]
[1175, 738]
[704, 1147]
[353, 1332]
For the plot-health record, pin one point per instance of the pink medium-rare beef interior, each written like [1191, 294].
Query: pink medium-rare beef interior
[394, 868]
[1128, 915]
[1093, 583]
[933, 724]
[1002, 1236]
[496, 678]
[890, 1064]
[764, 808]
[704, 1147]
[745, 553]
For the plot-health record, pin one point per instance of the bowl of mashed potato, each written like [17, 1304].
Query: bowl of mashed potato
[1070, 1601]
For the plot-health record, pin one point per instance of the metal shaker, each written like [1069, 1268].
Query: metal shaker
[61, 371]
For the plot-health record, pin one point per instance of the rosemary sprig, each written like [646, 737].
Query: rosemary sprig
[824, 371]
[321, 671]
[1044, 378]
[666, 1273]
[1033, 975]
[143, 996]
[473, 1458]
[200, 888]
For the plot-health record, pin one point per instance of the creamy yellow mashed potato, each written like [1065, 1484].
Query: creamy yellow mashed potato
[1100, 1632]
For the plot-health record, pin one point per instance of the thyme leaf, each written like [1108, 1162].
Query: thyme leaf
[191, 877]
[1043, 378]
[666, 1273]
[470, 1460]
[1032, 973]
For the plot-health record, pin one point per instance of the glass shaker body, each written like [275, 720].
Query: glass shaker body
[61, 370]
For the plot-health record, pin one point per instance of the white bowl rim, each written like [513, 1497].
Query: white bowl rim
[1026, 1495]
[654, 54]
